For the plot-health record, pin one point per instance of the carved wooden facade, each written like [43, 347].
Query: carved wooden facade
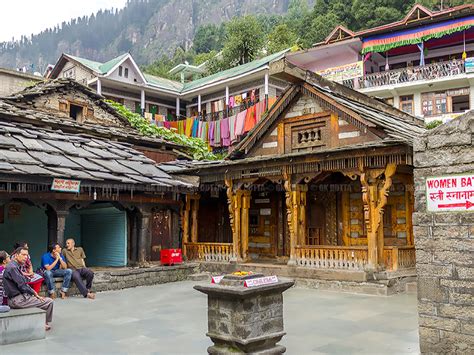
[332, 158]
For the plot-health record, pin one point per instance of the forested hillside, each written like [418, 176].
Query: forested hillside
[162, 33]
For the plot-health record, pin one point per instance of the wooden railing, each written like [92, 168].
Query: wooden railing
[209, 251]
[332, 257]
[410, 74]
[397, 258]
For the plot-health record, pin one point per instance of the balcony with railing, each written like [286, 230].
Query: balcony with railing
[409, 74]
[217, 252]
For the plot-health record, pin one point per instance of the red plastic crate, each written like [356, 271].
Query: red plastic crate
[171, 256]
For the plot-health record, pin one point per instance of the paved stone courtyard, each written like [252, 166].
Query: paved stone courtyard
[172, 319]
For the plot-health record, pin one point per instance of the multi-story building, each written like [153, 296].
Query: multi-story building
[422, 64]
[210, 97]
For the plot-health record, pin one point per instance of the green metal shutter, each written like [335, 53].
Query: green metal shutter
[104, 237]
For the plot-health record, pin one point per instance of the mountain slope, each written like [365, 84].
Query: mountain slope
[146, 28]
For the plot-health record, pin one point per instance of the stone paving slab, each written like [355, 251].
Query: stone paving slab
[172, 319]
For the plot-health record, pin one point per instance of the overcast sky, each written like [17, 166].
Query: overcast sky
[24, 17]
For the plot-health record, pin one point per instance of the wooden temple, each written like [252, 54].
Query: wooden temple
[324, 180]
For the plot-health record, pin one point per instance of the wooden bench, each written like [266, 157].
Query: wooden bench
[21, 325]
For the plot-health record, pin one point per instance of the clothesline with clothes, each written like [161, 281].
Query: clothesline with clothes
[218, 133]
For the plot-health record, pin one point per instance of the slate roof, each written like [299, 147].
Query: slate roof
[17, 106]
[362, 110]
[64, 84]
[38, 154]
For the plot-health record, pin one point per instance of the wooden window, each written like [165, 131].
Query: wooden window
[126, 72]
[63, 106]
[76, 112]
[120, 70]
[406, 104]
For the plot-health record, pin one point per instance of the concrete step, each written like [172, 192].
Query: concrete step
[411, 287]
[203, 276]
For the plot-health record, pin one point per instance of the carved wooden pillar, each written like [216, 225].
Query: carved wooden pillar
[246, 196]
[236, 238]
[375, 186]
[301, 197]
[185, 219]
[194, 217]
[232, 217]
[295, 199]
[346, 219]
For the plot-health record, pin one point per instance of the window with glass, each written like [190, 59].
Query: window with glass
[406, 104]
[442, 102]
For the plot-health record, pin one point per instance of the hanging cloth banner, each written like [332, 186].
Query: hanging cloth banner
[385, 42]
[422, 53]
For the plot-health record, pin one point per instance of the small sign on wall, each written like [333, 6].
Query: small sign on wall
[450, 193]
[66, 185]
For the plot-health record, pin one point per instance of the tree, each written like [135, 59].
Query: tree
[282, 37]
[244, 41]
[208, 38]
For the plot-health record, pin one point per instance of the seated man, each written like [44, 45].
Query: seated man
[75, 260]
[21, 295]
[55, 266]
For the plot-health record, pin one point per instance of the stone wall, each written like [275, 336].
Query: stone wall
[51, 103]
[12, 82]
[445, 243]
[109, 280]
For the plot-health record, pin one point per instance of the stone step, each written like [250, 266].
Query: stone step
[203, 276]
[411, 287]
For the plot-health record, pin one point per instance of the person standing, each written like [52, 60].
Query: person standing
[55, 266]
[20, 294]
[75, 260]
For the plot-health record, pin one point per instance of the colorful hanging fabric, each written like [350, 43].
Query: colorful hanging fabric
[188, 126]
[159, 123]
[231, 102]
[259, 110]
[148, 116]
[271, 102]
[205, 131]
[174, 126]
[385, 42]
[249, 119]
[217, 134]
[212, 126]
[225, 132]
[232, 135]
[238, 100]
[181, 126]
[252, 95]
[195, 128]
[159, 118]
[167, 124]
[220, 105]
[239, 123]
